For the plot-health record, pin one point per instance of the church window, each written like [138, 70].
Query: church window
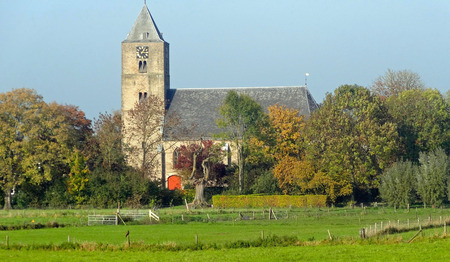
[145, 35]
[176, 154]
[145, 95]
[142, 66]
[140, 96]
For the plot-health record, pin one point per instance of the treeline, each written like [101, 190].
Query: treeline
[51, 155]
[356, 141]
[387, 143]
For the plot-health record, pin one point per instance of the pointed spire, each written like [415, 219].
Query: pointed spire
[144, 29]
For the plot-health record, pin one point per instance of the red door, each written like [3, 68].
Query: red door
[174, 182]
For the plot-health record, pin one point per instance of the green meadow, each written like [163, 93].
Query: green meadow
[228, 235]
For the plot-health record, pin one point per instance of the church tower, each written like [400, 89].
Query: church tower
[145, 72]
[145, 62]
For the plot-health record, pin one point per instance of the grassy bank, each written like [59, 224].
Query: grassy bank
[429, 250]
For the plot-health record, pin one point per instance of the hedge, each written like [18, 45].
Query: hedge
[227, 201]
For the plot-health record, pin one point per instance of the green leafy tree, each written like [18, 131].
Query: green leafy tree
[350, 140]
[432, 176]
[398, 184]
[423, 121]
[447, 97]
[266, 183]
[78, 177]
[394, 82]
[108, 135]
[241, 118]
[33, 140]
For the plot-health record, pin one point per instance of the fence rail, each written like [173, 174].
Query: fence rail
[102, 220]
[134, 214]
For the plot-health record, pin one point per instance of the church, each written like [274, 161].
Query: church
[145, 70]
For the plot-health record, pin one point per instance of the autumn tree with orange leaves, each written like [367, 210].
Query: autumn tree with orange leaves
[282, 145]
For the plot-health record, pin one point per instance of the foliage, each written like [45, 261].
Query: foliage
[266, 183]
[108, 135]
[144, 126]
[423, 120]
[241, 118]
[433, 174]
[394, 82]
[78, 126]
[78, 176]
[350, 140]
[398, 184]
[228, 201]
[202, 166]
[280, 143]
[33, 140]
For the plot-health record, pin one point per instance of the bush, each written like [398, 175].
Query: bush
[266, 183]
[432, 176]
[398, 184]
[224, 201]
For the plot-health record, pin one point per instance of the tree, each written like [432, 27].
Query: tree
[350, 140]
[423, 121]
[33, 140]
[398, 184]
[432, 176]
[78, 176]
[394, 82]
[78, 126]
[447, 97]
[202, 164]
[241, 117]
[144, 127]
[108, 134]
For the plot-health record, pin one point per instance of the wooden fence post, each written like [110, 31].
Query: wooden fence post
[362, 233]
[262, 234]
[68, 239]
[196, 239]
[7, 241]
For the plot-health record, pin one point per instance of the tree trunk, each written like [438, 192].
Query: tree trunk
[241, 168]
[7, 200]
[199, 199]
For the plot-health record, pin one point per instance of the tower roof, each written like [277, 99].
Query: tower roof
[144, 28]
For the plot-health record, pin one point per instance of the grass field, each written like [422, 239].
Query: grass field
[216, 228]
[422, 251]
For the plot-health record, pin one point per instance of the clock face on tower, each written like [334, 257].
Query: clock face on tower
[142, 52]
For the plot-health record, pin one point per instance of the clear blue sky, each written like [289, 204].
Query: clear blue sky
[69, 51]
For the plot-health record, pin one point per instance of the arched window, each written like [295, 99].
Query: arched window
[142, 66]
[227, 150]
[176, 154]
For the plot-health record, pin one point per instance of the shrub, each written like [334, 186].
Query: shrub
[398, 184]
[434, 171]
[223, 201]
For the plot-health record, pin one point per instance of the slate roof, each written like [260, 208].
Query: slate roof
[197, 111]
[144, 25]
